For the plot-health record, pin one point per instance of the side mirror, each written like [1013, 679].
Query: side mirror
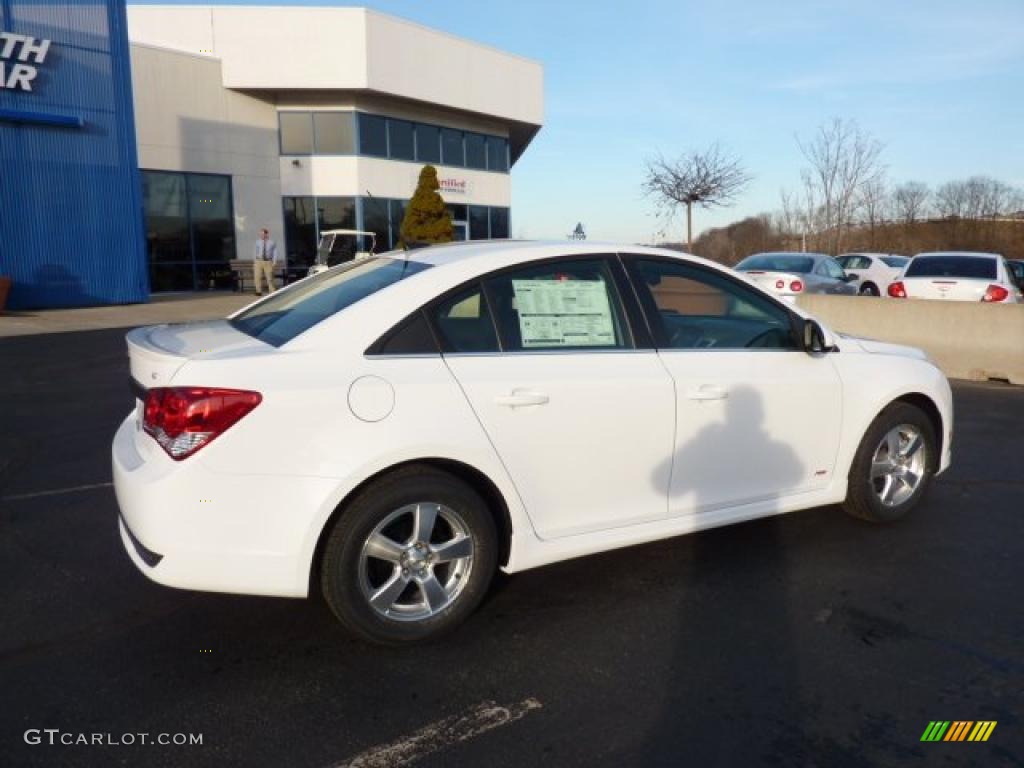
[813, 338]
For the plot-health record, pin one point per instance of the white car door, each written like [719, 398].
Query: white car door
[757, 418]
[582, 419]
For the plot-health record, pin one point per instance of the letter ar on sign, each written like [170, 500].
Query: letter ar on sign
[17, 77]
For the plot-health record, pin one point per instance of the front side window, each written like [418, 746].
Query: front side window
[564, 305]
[831, 268]
[299, 307]
[694, 308]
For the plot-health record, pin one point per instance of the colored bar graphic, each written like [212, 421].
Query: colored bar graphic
[958, 730]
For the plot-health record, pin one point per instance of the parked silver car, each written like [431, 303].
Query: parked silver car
[790, 274]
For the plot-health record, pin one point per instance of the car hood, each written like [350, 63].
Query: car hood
[885, 348]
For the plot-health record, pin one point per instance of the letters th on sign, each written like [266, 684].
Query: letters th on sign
[20, 56]
[564, 313]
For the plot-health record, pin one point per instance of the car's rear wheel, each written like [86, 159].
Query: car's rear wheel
[410, 557]
[869, 289]
[894, 465]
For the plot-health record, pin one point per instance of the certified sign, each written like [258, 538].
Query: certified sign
[20, 56]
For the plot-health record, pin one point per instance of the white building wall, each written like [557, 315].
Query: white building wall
[353, 176]
[185, 120]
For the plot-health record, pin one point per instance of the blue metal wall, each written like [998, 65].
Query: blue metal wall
[71, 227]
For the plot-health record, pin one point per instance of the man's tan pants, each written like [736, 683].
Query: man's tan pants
[260, 269]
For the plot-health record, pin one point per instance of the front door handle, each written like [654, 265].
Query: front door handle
[708, 392]
[521, 397]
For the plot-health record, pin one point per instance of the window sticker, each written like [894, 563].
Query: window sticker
[564, 313]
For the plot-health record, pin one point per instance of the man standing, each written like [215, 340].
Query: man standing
[263, 261]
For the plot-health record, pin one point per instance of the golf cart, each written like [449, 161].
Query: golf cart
[340, 245]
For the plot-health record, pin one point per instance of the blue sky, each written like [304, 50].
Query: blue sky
[940, 83]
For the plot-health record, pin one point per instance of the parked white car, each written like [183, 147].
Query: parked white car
[958, 276]
[395, 429]
[873, 271]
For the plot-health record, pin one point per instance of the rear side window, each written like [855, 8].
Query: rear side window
[854, 262]
[897, 262]
[952, 266]
[464, 322]
[299, 307]
[558, 305]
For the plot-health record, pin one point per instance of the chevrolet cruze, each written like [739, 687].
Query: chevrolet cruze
[392, 431]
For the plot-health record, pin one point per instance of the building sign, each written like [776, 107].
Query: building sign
[20, 56]
[454, 186]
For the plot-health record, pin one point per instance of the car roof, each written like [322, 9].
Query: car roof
[806, 254]
[970, 254]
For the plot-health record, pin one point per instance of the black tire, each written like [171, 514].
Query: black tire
[862, 496]
[869, 289]
[344, 573]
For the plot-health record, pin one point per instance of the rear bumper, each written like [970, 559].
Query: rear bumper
[186, 526]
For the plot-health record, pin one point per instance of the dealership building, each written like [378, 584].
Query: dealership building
[216, 121]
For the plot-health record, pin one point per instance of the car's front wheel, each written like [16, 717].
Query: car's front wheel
[410, 557]
[894, 465]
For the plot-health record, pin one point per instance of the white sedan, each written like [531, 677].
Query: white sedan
[392, 431]
[958, 276]
[873, 271]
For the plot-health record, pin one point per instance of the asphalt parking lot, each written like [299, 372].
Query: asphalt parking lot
[811, 639]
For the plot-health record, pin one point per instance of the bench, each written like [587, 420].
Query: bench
[242, 278]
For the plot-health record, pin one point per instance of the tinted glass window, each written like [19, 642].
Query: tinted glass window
[375, 219]
[213, 225]
[401, 141]
[854, 262]
[452, 152]
[478, 222]
[428, 143]
[300, 306]
[300, 230]
[476, 151]
[499, 223]
[296, 133]
[697, 309]
[336, 212]
[335, 133]
[373, 138]
[952, 266]
[465, 324]
[560, 305]
[497, 154]
[411, 337]
[777, 262]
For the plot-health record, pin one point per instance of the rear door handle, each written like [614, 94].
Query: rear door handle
[708, 392]
[521, 397]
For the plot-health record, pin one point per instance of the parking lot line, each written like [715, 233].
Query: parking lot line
[56, 492]
[476, 720]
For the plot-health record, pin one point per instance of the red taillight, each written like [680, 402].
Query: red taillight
[796, 286]
[184, 419]
[897, 290]
[995, 293]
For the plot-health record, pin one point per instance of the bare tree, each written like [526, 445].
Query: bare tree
[843, 158]
[871, 202]
[951, 200]
[910, 201]
[710, 178]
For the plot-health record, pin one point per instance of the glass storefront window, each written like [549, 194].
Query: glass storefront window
[300, 230]
[478, 222]
[476, 152]
[335, 133]
[373, 137]
[296, 133]
[452, 152]
[375, 219]
[400, 140]
[499, 223]
[497, 154]
[397, 216]
[335, 213]
[428, 143]
[190, 230]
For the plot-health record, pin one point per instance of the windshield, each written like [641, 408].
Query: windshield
[291, 311]
[777, 262]
[978, 267]
[896, 261]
